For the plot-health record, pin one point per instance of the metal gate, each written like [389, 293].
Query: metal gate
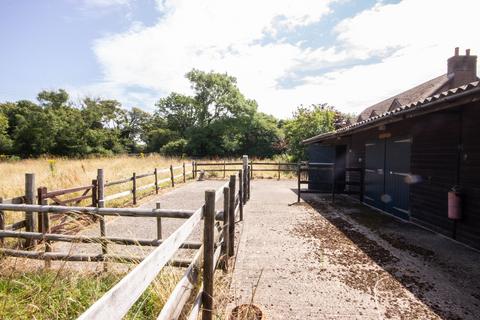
[387, 167]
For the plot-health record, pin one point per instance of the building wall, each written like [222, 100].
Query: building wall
[437, 164]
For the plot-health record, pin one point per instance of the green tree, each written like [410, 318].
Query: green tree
[307, 122]
[5, 141]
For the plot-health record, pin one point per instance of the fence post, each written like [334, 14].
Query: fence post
[159, 223]
[40, 196]
[171, 176]
[226, 224]
[134, 188]
[30, 199]
[208, 252]
[279, 170]
[156, 180]
[231, 213]
[101, 204]
[45, 219]
[193, 169]
[94, 193]
[224, 168]
[244, 181]
[251, 170]
[2, 221]
[240, 193]
[184, 175]
[248, 184]
[298, 176]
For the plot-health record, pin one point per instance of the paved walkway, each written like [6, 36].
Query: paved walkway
[189, 196]
[317, 261]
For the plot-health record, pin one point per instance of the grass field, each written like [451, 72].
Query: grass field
[58, 173]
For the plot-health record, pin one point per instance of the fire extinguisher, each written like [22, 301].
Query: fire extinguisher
[455, 204]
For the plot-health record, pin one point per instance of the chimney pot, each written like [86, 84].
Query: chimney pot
[467, 52]
[457, 51]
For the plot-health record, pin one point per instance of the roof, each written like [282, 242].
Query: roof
[422, 104]
[417, 93]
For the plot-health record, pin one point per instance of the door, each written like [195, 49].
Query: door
[320, 180]
[374, 173]
[387, 169]
[397, 172]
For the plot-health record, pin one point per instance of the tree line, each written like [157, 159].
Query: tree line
[216, 120]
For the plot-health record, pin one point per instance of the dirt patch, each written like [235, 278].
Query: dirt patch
[364, 265]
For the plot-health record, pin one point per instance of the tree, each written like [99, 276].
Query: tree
[307, 122]
[5, 141]
[214, 121]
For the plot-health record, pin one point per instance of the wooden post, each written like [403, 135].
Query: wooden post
[155, 172]
[101, 204]
[45, 218]
[240, 193]
[248, 184]
[226, 224]
[278, 170]
[159, 223]
[208, 252]
[2, 221]
[193, 169]
[244, 181]
[251, 171]
[184, 175]
[231, 213]
[134, 188]
[171, 176]
[40, 201]
[224, 168]
[298, 177]
[94, 193]
[30, 199]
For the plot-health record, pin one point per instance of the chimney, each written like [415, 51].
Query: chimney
[462, 69]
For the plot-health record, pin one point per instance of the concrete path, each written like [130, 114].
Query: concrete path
[317, 261]
[189, 196]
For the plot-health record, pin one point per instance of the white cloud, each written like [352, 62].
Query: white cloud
[412, 40]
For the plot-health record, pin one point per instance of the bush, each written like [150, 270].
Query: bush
[174, 148]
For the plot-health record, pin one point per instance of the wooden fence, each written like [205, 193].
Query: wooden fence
[218, 238]
[77, 195]
[253, 166]
[304, 176]
[304, 171]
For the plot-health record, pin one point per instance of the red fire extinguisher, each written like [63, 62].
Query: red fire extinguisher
[454, 204]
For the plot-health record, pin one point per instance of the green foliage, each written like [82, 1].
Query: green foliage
[174, 148]
[216, 120]
[307, 122]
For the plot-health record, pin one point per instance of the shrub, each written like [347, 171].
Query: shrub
[174, 148]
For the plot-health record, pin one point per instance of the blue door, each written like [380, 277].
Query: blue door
[397, 173]
[374, 173]
[387, 172]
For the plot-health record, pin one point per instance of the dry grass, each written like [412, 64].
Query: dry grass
[59, 173]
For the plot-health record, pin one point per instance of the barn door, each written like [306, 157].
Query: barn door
[374, 173]
[397, 171]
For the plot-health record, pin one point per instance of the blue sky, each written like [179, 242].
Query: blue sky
[284, 53]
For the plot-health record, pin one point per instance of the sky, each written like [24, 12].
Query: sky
[284, 53]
